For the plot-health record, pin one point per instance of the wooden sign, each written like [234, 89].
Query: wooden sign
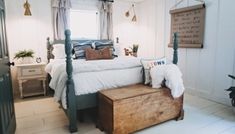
[189, 24]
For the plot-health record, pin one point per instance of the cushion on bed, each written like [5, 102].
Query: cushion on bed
[148, 64]
[79, 49]
[59, 51]
[100, 45]
[92, 54]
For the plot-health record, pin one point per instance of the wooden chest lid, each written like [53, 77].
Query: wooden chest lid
[128, 92]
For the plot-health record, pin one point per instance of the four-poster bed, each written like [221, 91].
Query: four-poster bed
[83, 101]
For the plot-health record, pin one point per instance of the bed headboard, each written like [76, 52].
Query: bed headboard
[50, 44]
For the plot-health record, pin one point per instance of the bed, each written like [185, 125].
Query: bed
[73, 86]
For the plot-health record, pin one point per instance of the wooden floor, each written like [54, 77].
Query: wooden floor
[201, 117]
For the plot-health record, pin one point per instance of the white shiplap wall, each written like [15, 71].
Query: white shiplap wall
[127, 31]
[28, 32]
[146, 28]
[205, 70]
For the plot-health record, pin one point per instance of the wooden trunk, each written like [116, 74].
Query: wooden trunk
[128, 109]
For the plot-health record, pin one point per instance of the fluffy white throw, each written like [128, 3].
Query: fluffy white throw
[173, 76]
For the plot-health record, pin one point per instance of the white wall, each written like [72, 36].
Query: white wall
[142, 32]
[127, 31]
[28, 32]
[147, 24]
[205, 70]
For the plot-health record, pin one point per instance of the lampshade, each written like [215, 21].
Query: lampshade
[27, 9]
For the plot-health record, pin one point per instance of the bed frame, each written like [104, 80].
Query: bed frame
[81, 102]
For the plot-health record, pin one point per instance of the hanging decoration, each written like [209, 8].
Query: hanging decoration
[189, 23]
[127, 14]
[27, 9]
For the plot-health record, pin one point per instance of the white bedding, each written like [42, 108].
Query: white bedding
[92, 76]
[173, 76]
[82, 65]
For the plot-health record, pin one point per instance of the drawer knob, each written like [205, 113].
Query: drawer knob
[11, 64]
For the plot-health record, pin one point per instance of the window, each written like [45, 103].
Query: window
[84, 24]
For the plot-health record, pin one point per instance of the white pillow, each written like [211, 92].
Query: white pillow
[117, 49]
[150, 63]
[59, 51]
[157, 74]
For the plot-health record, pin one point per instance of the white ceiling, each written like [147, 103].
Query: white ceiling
[136, 1]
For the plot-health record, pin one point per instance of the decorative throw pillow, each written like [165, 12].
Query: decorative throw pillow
[58, 51]
[92, 54]
[148, 64]
[157, 74]
[100, 45]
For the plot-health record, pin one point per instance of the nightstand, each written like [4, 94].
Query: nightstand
[27, 72]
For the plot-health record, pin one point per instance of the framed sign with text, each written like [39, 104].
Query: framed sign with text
[189, 23]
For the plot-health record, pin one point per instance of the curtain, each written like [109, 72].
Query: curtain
[106, 20]
[60, 10]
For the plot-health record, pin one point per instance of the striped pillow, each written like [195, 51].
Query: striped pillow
[79, 49]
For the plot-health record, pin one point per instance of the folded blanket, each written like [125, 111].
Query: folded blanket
[173, 77]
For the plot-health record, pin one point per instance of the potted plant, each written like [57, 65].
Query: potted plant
[25, 56]
[134, 49]
[232, 92]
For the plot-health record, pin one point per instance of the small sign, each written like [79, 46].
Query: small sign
[189, 24]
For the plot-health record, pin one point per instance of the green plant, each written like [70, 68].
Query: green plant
[232, 92]
[134, 48]
[24, 53]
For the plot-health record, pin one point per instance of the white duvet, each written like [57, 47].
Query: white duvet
[92, 76]
[81, 66]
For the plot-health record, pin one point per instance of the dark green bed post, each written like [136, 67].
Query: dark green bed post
[70, 93]
[175, 47]
[49, 50]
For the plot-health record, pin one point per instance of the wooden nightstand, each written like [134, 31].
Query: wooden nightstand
[26, 72]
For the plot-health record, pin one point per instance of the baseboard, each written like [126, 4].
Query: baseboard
[208, 96]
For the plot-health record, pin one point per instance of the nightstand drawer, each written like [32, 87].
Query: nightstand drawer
[32, 71]
[28, 72]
